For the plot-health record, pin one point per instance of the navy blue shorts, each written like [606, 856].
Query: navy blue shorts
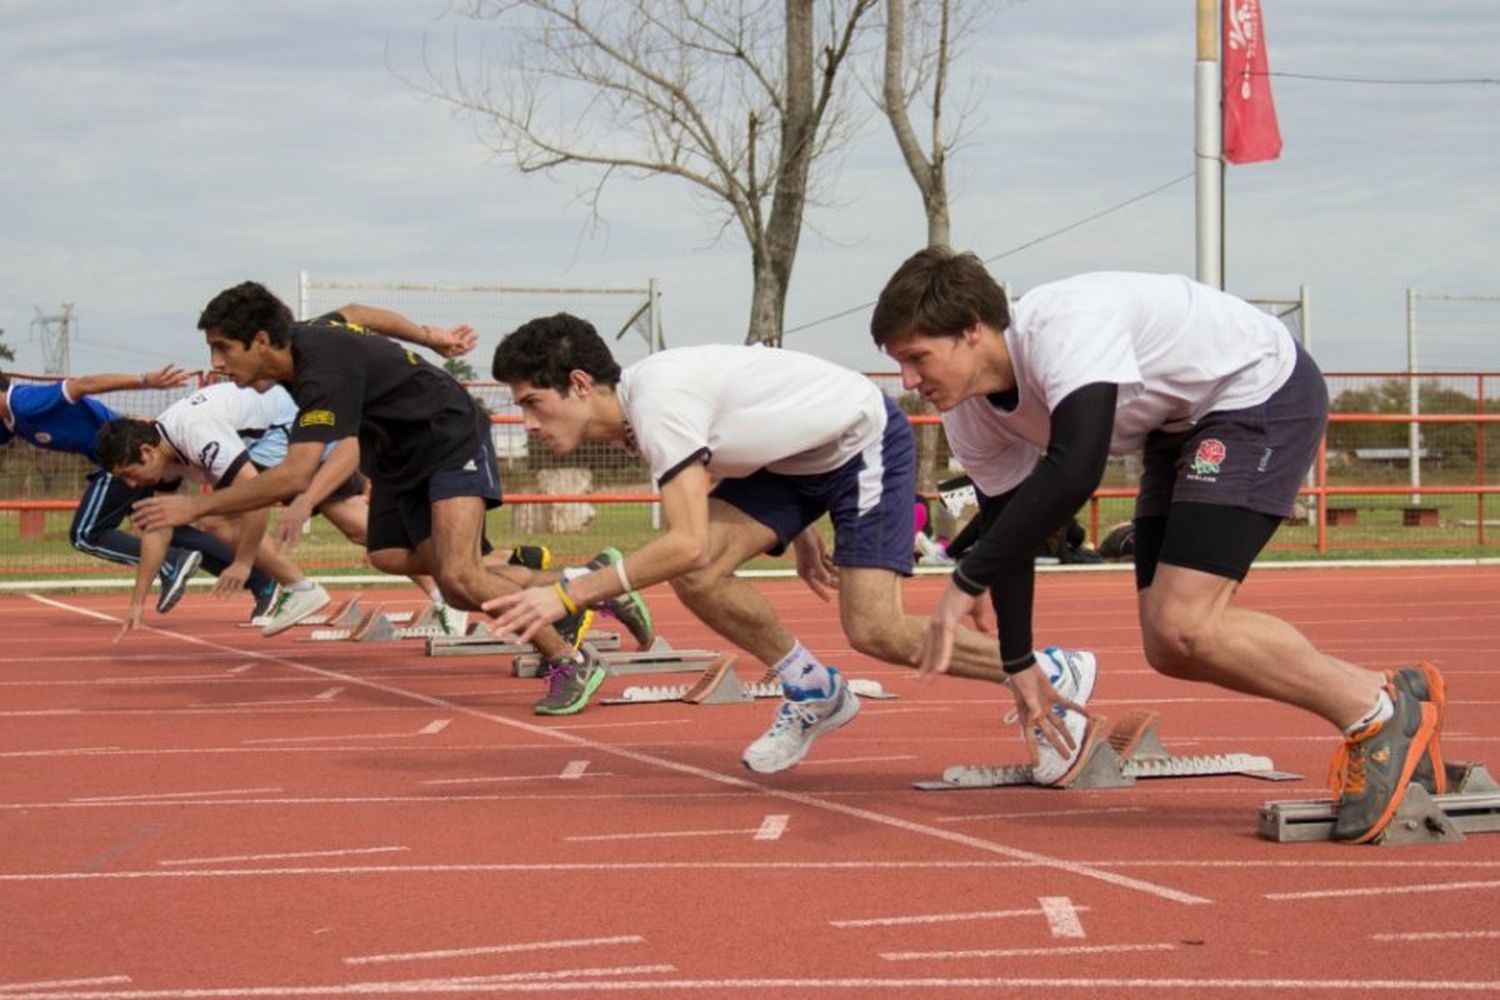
[403, 519]
[1254, 458]
[869, 498]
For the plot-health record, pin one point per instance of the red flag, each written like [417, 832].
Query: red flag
[1250, 131]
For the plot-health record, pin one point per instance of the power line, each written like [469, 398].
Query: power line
[1016, 249]
[1396, 81]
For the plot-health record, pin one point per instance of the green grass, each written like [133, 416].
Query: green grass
[1379, 534]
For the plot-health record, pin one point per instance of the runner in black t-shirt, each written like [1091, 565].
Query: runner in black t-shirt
[424, 442]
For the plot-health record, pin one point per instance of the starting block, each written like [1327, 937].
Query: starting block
[658, 658]
[1130, 751]
[481, 643]
[1473, 806]
[378, 625]
[344, 614]
[719, 684]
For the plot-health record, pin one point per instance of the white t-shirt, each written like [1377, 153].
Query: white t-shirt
[740, 409]
[1177, 350]
[220, 427]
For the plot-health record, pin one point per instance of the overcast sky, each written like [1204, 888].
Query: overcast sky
[157, 151]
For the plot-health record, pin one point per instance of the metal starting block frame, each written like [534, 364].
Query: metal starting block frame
[720, 684]
[1473, 806]
[343, 614]
[377, 625]
[480, 642]
[1131, 750]
[658, 658]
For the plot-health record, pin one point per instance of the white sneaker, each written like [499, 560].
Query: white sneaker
[294, 605]
[1071, 673]
[798, 723]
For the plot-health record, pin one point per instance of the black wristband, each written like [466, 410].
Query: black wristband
[1017, 665]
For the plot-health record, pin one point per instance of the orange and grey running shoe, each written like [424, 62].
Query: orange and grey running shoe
[1369, 773]
[1425, 683]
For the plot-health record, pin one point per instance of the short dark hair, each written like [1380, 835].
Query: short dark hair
[544, 351]
[120, 441]
[4, 382]
[246, 309]
[938, 291]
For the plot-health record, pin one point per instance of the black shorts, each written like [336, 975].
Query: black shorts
[354, 486]
[402, 519]
[1212, 497]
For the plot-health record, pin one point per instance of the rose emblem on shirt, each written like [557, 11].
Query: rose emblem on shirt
[1209, 457]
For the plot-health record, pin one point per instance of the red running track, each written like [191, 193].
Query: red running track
[200, 812]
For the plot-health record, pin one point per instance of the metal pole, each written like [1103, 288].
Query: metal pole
[1209, 147]
[1414, 405]
[654, 299]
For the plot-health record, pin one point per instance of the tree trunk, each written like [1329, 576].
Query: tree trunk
[772, 266]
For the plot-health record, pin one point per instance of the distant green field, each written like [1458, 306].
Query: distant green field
[1378, 532]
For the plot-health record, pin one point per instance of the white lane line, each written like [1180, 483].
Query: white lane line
[240, 669]
[942, 918]
[342, 852]
[330, 694]
[495, 949]
[656, 987]
[1043, 813]
[813, 801]
[516, 777]
[1077, 949]
[56, 983]
[1437, 936]
[755, 832]
[1062, 917]
[430, 729]
[162, 796]
[536, 977]
[70, 752]
[772, 827]
[1383, 890]
[573, 770]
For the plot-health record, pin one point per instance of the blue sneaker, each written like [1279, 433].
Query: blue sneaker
[174, 583]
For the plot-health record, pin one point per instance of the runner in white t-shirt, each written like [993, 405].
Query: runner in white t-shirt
[750, 446]
[1228, 412]
[218, 436]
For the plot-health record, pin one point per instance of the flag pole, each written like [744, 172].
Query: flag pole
[1208, 146]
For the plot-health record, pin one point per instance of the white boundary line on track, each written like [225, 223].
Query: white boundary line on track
[376, 579]
[339, 852]
[653, 761]
[498, 949]
[649, 987]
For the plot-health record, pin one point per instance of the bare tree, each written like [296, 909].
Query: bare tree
[701, 91]
[919, 51]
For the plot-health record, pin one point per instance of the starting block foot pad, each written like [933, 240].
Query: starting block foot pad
[1129, 751]
[1422, 818]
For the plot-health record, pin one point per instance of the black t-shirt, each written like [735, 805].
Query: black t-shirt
[412, 417]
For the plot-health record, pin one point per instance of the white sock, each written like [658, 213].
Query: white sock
[301, 585]
[1382, 710]
[802, 671]
[574, 572]
[436, 596]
